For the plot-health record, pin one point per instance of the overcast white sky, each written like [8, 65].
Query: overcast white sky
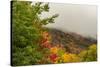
[81, 19]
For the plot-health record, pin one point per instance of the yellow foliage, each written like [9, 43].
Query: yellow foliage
[74, 57]
[54, 50]
[90, 54]
[70, 58]
[66, 57]
[93, 47]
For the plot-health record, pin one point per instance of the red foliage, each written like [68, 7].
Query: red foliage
[53, 57]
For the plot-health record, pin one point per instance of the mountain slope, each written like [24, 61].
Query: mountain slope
[72, 42]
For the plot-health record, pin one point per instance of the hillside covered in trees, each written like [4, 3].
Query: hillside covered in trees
[34, 44]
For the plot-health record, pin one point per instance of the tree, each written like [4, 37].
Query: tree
[26, 31]
[90, 54]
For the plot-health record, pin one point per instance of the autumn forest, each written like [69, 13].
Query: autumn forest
[33, 44]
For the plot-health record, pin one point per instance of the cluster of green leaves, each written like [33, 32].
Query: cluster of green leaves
[26, 31]
[90, 54]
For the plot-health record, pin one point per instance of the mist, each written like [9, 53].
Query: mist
[81, 19]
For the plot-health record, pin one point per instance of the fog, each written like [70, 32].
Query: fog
[81, 19]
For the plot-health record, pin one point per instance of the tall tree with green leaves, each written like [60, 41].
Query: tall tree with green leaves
[26, 31]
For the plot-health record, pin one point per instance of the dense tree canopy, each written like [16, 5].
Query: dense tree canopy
[26, 31]
[90, 54]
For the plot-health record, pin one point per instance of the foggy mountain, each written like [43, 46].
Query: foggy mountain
[81, 19]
